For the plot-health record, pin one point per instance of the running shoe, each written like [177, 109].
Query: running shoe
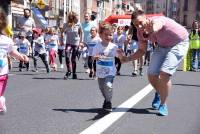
[90, 74]
[107, 106]
[163, 110]
[61, 66]
[118, 73]
[67, 75]
[74, 76]
[156, 101]
[35, 70]
[2, 105]
[134, 73]
[141, 72]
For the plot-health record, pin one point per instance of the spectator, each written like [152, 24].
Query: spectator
[26, 24]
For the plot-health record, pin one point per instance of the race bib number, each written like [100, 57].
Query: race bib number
[104, 66]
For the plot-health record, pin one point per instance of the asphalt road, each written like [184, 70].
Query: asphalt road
[40, 103]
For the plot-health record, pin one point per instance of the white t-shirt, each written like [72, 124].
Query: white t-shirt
[24, 46]
[28, 24]
[53, 44]
[6, 46]
[119, 40]
[91, 43]
[105, 66]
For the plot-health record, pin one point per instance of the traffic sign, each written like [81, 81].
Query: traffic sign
[41, 4]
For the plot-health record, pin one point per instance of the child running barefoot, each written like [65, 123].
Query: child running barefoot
[6, 47]
[104, 52]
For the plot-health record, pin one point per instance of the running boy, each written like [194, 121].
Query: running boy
[104, 52]
[6, 47]
[39, 49]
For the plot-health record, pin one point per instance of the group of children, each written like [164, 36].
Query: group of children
[101, 47]
[46, 45]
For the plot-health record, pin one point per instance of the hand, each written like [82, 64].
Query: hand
[81, 45]
[97, 57]
[124, 59]
[120, 52]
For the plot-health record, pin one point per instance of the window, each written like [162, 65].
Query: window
[198, 17]
[185, 8]
[197, 5]
[185, 20]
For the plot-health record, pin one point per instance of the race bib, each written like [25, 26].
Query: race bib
[104, 66]
[23, 49]
[120, 46]
[91, 46]
[52, 46]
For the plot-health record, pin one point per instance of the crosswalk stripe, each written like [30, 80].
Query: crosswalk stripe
[102, 124]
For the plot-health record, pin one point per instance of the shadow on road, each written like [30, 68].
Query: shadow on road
[136, 111]
[143, 111]
[125, 75]
[58, 78]
[47, 78]
[100, 112]
[190, 85]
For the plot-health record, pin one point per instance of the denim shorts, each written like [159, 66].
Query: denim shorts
[167, 59]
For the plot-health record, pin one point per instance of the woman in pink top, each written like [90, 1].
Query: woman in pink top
[173, 43]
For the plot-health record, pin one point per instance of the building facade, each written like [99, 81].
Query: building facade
[188, 11]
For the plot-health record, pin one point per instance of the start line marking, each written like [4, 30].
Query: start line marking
[102, 124]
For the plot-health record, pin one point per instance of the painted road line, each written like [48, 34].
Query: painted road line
[105, 122]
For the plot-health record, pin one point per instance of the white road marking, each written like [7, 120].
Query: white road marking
[105, 122]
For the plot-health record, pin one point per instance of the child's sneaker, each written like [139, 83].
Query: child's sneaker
[67, 74]
[90, 74]
[107, 106]
[156, 101]
[134, 73]
[61, 66]
[74, 76]
[141, 72]
[2, 105]
[163, 110]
